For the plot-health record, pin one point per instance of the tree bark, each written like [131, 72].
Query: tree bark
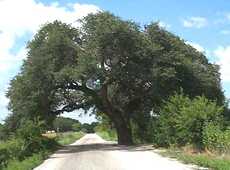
[124, 132]
[122, 123]
[124, 135]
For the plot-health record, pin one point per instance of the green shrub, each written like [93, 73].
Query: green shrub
[109, 135]
[27, 141]
[213, 162]
[216, 139]
[105, 129]
[181, 120]
[76, 127]
[31, 133]
[28, 164]
[10, 149]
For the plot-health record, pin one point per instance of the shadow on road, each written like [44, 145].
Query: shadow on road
[100, 147]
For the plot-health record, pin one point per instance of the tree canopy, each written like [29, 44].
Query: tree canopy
[112, 66]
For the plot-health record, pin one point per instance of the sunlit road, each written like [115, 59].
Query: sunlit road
[93, 153]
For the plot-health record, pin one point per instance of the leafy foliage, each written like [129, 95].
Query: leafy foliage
[105, 128]
[181, 120]
[216, 139]
[32, 92]
[2, 136]
[9, 150]
[28, 140]
[31, 162]
[88, 128]
[109, 135]
[27, 164]
[76, 127]
[33, 142]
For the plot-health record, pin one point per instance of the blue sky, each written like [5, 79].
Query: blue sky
[203, 24]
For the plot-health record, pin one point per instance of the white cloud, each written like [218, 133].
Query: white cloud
[227, 15]
[223, 59]
[195, 22]
[3, 100]
[164, 25]
[81, 116]
[225, 32]
[223, 18]
[17, 18]
[197, 46]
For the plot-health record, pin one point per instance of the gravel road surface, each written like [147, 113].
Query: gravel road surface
[91, 152]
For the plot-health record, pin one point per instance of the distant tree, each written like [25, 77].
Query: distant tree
[63, 124]
[112, 66]
[76, 127]
[89, 128]
[12, 123]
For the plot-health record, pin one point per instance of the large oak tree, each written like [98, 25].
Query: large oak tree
[112, 66]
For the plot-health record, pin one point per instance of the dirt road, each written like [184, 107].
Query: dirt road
[93, 153]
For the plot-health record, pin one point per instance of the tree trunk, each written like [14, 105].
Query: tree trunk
[122, 124]
[124, 136]
[124, 132]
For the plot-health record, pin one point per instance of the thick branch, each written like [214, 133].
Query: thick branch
[76, 86]
[73, 106]
[108, 106]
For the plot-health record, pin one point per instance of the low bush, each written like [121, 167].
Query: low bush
[213, 162]
[30, 133]
[25, 143]
[105, 130]
[27, 164]
[215, 139]
[181, 120]
[109, 135]
[18, 149]
[10, 149]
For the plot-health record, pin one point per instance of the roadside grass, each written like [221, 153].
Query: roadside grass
[109, 136]
[68, 137]
[36, 159]
[211, 161]
[29, 163]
